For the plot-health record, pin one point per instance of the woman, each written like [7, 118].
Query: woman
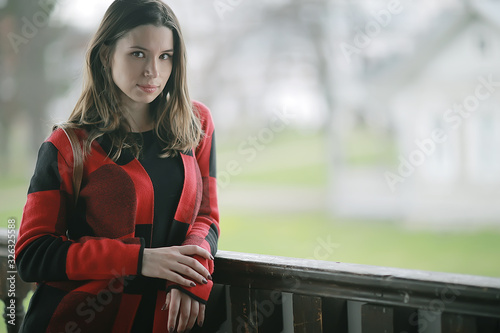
[135, 253]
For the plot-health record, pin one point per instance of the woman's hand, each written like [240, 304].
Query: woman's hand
[176, 264]
[183, 311]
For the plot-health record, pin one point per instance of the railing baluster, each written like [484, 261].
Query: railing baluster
[307, 314]
[243, 310]
[377, 319]
[287, 312]
[429, 321]
[457, 323]
[354, 316]
[405, 320]
[216, 312]
[269, 311]
[334, 315]
[488, 325]
[255, 310]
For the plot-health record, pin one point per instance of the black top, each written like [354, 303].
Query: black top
[167, 176]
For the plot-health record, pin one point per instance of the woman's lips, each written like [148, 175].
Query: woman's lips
[149, 89]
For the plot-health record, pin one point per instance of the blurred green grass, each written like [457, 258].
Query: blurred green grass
[318, 236]
[12, 199]
[366, 146]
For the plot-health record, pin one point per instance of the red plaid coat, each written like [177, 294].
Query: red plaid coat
[84, 261]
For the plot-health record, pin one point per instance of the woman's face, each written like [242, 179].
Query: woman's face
[142, 63]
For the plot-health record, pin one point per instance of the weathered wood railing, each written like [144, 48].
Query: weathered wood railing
[275, 294]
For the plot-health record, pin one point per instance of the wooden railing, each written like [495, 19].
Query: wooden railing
[258, 293]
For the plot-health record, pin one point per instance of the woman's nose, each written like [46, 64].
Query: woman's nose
[152, 69]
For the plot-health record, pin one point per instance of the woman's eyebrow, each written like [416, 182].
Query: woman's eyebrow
[145, 49]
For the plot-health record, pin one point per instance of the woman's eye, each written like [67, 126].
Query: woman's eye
[165, 56]
[138, 54]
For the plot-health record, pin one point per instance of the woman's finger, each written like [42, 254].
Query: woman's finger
[173, 310]
[195, 309]
[197, 269]
[192, 250]
[167, 302]
[185, 275]
[179, 279]
[201, 315]
[184, 312]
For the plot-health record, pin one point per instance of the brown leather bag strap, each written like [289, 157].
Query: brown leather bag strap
[77, 161]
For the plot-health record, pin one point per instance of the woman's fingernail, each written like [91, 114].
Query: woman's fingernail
[212, 257]
[193, 284]
[171, 330]
[200, 323]
[164, 307]
[204, 281]
[209, 277]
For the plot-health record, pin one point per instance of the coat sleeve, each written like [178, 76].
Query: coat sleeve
[43, 250]
[205, 230]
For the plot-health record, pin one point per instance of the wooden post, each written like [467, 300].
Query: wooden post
[377, 319]
[256, 310]
[405, 320]
[269, 307]
[307, 314]
[334, 315]
[243, 311]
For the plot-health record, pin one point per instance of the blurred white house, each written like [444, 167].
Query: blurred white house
[439, 97]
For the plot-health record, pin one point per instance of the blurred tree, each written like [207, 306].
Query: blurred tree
[24, 87]
[271, 44]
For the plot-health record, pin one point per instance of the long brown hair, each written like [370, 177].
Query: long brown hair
[98, 110]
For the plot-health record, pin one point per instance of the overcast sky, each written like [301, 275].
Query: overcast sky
[82, 14]
[86, 14]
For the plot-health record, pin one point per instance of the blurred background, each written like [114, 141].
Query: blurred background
[353, 131]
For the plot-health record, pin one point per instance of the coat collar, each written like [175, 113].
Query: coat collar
[190, 200]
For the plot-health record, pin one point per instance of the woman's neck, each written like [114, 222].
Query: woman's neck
[139, 118]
